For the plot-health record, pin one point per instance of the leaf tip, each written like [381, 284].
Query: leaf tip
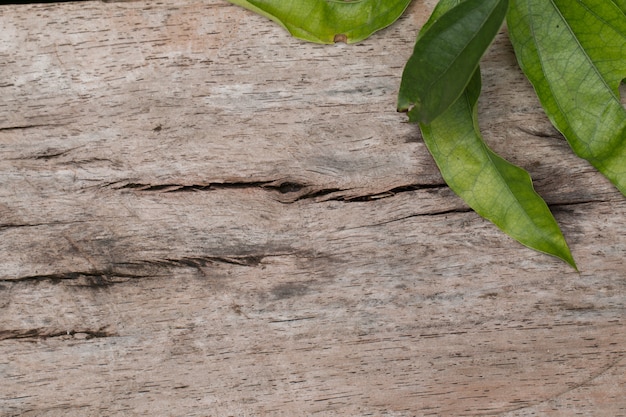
[564, 254]
[570, 261]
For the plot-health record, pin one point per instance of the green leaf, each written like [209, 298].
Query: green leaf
[574, 54]
[621, 4]
[494, 188]
[328, 21]
[446, 55]
[497, 190]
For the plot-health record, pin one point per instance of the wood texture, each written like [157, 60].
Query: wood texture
[201, 216]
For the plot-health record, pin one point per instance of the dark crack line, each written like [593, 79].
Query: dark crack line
[203, 261]
[41, 333]
[556, 206]
[293, 319]
[391, 193]
[550, 135]
[33, 126]
[199, 263]
[239, 260]
[294, 191]
[93, 279]
[55, 153]
[5, 226]
[173, 187]
[434, 213]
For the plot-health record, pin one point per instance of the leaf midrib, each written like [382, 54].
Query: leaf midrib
[453, 62]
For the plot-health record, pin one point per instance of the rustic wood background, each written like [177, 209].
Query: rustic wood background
[201, 216]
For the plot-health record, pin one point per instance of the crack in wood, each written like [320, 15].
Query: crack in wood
[31, 126]
[294, 191]
[52, 153]
[94, 279]
[173, 187]
[393, 192]
[553, 134]
[293, 319]
[562, 205]
[434, 213]
[197, 262]
[42, 333]
[142, 269]
[4, 226]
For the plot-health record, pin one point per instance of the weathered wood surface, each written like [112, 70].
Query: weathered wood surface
[200, 216]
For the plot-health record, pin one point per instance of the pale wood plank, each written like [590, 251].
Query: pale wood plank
[202, 216]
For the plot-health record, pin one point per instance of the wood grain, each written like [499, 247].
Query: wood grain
[201, 216]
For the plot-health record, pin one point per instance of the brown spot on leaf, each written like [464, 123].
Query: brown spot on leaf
[340, 37]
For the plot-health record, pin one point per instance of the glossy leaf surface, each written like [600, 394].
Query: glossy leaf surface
[446, 55]
[574, 54]
[329, 21]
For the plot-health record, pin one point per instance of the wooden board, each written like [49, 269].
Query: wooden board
[201, 216]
